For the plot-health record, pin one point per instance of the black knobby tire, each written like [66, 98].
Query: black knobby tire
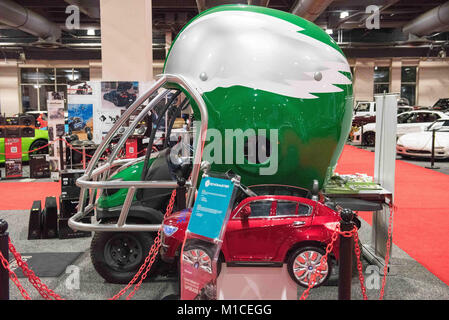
[104, 244]
[297, 252]
[37, 144]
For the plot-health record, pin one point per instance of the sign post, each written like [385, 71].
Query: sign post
[204, 237]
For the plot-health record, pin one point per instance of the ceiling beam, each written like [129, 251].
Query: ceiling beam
[310, 9]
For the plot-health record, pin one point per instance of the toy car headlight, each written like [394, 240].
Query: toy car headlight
[169, 230]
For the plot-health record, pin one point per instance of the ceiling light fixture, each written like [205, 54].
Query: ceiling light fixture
[344, 14]
[90, 32]
[329, 31]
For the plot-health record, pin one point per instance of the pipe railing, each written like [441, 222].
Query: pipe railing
[89, 182]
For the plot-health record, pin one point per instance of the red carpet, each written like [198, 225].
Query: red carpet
[421, 221]
[20, 195]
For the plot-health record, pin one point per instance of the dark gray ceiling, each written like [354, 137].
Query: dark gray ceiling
[171, 15]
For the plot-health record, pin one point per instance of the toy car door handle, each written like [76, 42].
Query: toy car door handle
[298, 223]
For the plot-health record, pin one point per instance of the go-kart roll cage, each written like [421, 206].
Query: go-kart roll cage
[90, 182]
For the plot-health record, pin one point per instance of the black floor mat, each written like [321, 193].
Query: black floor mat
[45, 264]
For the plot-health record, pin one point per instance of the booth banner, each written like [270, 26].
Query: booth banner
[56, 129]
[83, 101]
[83, 89]
[204, 237]
[81, 120]
[13, 157]
[118, 94]
[114, 97]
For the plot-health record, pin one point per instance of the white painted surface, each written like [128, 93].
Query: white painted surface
[256, 283]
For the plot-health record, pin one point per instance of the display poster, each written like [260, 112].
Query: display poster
[13, 157]
[204, 238]
[56, 129]
[83, 89]
[81, 120]
[115, 97]
[83, 101]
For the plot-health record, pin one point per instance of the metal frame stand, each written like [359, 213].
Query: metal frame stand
[384, 174]
[375, 251]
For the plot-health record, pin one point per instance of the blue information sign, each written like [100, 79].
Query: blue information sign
[211, 206]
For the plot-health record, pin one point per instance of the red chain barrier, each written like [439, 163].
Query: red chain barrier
[73, 148]
[323, 261]
[360, 265]
[43, 290]
[354, 233]
[149, 260]
[387, 254]
[30, 151]
[13, 277]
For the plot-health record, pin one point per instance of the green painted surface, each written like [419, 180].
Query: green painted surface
[312, 132]
[26, 144]
[132, 173]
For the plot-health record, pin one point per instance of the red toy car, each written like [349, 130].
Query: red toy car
[282, 224]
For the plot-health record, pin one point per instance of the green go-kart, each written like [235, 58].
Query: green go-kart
[252, 76]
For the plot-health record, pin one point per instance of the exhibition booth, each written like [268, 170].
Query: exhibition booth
[233, 175]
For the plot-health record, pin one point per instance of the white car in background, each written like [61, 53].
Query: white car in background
[419, 144]
[408, 122]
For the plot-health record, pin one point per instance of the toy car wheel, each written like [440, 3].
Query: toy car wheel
[302, 264]
[200, 255]
[369, 138]
[117, 256]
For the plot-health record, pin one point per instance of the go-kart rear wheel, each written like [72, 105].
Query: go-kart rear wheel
[303, 262]
[117, 256]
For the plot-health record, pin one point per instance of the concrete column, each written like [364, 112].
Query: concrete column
[432, 82]
[95, 70]
[126, 40]
[395, 77]
[9, 88]
[364, 80]
[168, 41]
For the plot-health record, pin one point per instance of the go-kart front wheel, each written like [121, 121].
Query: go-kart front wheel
[117, 256]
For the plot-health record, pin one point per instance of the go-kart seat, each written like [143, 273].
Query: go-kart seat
[162, 169]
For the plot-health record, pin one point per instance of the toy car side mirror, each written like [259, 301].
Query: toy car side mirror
[245, 212]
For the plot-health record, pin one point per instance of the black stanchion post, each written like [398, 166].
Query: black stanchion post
[362, 141]
[61, 153]
[4, 274]
[181, 194]
[345, 259]
[432, 157]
